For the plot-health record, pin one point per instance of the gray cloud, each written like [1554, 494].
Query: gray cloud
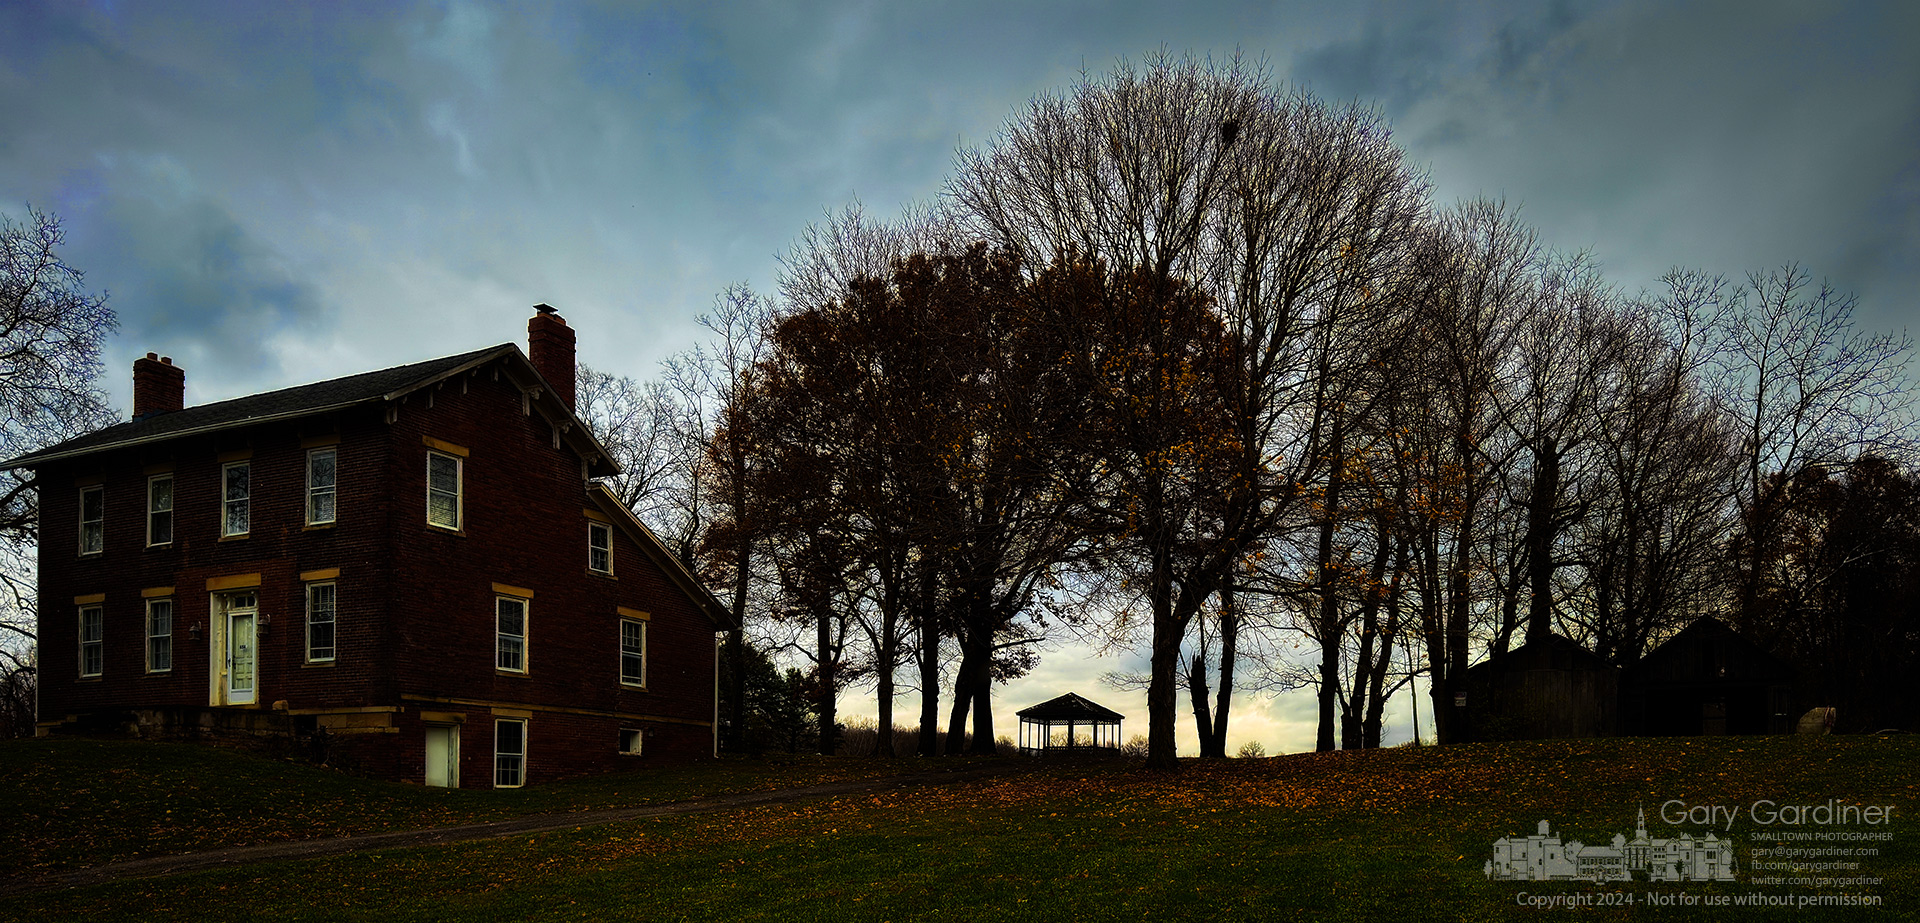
[1724, 136]
[264, 184]
[189, 280]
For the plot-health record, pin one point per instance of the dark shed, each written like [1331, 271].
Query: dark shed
[1707, 680]
[1549, 688]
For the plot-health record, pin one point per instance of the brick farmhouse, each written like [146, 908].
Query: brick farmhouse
[413, 572]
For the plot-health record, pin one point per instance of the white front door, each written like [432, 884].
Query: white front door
[236, 649]
[443, 756]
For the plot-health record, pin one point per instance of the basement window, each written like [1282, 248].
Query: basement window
[509, 752]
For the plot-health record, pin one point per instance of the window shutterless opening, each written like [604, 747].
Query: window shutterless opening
[509, 752]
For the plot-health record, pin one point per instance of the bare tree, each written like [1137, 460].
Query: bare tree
[1806, 388]
[1196, 178]
[1653, 540]
[51, 330]
[1476, 294]
[635, 422]
[714, 512]
[833, 254]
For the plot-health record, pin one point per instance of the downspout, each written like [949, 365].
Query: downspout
[716, 695]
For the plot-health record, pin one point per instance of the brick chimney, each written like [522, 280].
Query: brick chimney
[159, 386]
[550, 346]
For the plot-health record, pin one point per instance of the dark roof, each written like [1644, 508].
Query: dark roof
[1069, 707]
[298, 401]
[1556, 652]
[1709, 644]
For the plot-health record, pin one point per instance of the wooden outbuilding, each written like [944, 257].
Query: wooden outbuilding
[1548, 688]
[1707, 680]
[1066, 724]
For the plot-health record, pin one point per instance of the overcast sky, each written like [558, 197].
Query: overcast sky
[279, 193]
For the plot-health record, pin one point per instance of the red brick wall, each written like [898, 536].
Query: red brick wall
[559, 746]
[415, 621]
[524, 526]
[278, 547]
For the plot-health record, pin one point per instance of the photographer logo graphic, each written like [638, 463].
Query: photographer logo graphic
[1544, 856]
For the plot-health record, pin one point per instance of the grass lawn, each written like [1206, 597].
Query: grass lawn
[1394, 834]
[88, 802]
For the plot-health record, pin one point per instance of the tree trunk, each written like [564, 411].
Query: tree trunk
[1366, 684]
[828, 665]
[1540, 529]
[1509, 611]
[1229, 637]
[889, 654]
[1162, 695]
[929, 660]
[1454, 653]
[1330, 627]
[1388, 637]
[983, 738]
[1197, 692]
[963, 689]
[737, 652]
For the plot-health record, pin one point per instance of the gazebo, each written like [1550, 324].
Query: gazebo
[1088, 725]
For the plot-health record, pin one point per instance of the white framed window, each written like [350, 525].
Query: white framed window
[510, 634]
[509, 752]
[443, 490]
[322, 474]
[235, 498]
[599, 547]
[159, 635]
[93, 519]
[630, 739]
[160, 509]
[320, 616]
[633, 652]
[92, 641]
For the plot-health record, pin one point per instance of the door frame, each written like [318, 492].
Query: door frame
[221, 615]
[452, 731]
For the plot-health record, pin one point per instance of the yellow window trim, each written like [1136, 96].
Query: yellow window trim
[512, 713]
[241, 455]
[89, 599]
[234, 582]
[329, 573]
[627, 613]
[319, 442]
[156, 592]
[509, 590]
[597, 516]
[446, 447]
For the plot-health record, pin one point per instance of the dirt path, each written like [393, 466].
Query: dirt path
[160, 866]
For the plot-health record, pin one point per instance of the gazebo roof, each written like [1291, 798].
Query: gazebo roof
[1069, 707]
